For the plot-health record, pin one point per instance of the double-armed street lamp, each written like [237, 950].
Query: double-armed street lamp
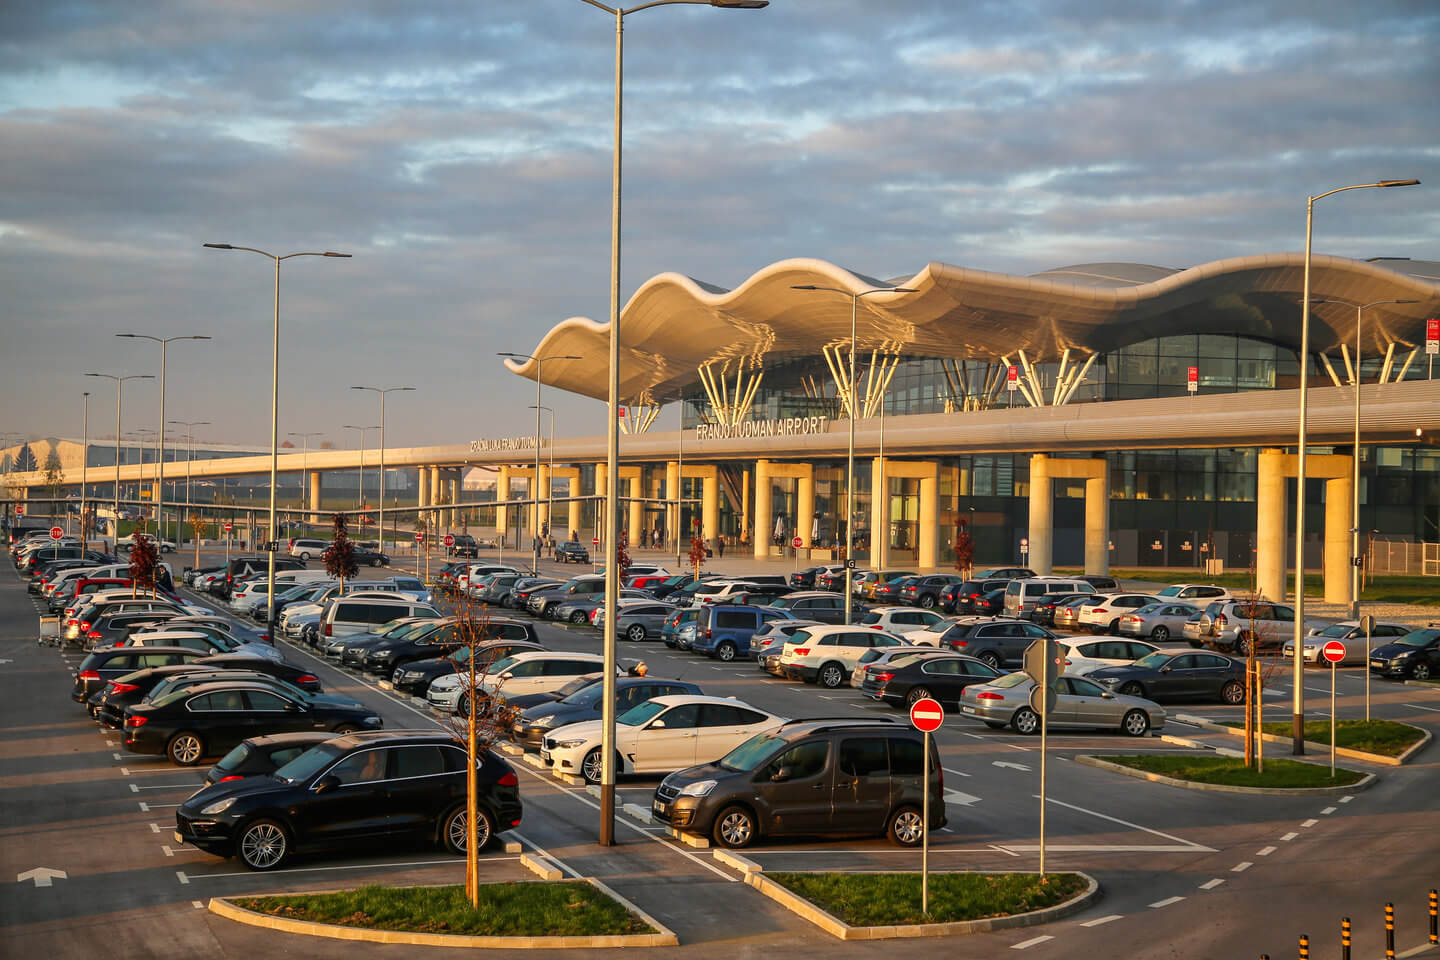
[119, 404]
[360, 499]
[189, 426]
[382, 391]
[535, 487]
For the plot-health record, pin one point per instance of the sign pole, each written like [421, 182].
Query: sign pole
[1367, 621]
[925, 833]
[1044, 727]
[1333, 721]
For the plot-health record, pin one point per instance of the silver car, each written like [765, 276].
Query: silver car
[642, 621]
[1157, 621]
[1081, 704]
[1349, 633]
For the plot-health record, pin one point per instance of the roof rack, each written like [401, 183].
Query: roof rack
[838, 721]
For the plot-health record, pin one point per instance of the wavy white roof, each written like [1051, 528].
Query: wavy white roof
[674, 323]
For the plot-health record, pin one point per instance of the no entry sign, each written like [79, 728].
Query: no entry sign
[926, 715]
[229, 526]
[419, 538]
[595, 542]
[56, 533]
[1334, 651]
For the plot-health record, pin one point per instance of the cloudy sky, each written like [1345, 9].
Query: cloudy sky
[460, 150]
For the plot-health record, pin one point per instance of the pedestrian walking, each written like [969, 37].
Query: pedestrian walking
[722, 545]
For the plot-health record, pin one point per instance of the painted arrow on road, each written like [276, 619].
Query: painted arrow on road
[7, 661]
[42, 876]
[1012, 766]
[961, 797]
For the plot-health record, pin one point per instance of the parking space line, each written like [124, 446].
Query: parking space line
[1242, 866]
[1418, 707]
[1289, 836]
[1165, 903]
[1211, 884]
[1327, 811]
[1264, 851]
[1104, 816]
[1309, 823]
[1346, 799]
[1102, 920]
[1033, 941]
[458, 861]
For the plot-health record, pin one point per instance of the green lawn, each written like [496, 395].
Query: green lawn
[1385, 737]
[1423, 591]
[1231, 771]
[883, 899]
[506, 910]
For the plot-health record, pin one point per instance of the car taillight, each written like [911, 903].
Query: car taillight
[233, 776]
[329, 630]
[989, 696]
[882, 677]
[956, 644]
[1100, 610]
[1220, 620]
[118, 687]
[509, 780]
[265, 637]
[132, 722]
[873, 626]
[974, 596]
[801, 651]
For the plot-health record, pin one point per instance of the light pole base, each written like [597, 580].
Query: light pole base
[1299, 735]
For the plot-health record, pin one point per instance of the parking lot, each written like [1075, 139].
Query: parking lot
[75, 801]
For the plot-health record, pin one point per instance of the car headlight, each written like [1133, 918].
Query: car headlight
[1108, 681]
[701, 788]
[1402, 655]
[371, 721]
[567, 744]
[219, 806]
[384, 654]
[548, 721]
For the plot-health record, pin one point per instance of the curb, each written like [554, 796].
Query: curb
[842, 930]
[1201, 744]
[744, 864]
[1087, 760]
[539, 866]
[1350, 752]
[637, 812]
[663, 937]
[1427, 684]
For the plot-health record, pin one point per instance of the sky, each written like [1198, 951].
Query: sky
[461, 152]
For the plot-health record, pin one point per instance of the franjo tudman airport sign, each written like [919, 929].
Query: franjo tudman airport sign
[783, 427]
[504, 443]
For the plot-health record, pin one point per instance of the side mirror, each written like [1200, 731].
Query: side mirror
[506, 675]
[658, 725]
[294, 708]
[326, 784]
[781, 775]
[1107, 695]
[1164, 669]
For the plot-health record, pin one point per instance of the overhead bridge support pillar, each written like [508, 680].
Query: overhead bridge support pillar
[1044, 471]
[1271, 547]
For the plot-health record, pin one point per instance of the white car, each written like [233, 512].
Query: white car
[1198, 594]
[659, 736]
[718, 591]
[901, 619]
[827, 655]
[1349, 633]
[166, 546]
[518, 675]
[1102, 612]
[1082, 656]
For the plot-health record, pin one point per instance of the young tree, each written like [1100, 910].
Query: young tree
[339, 557]
[964, 548]
[622, 554]
[697, 548]
[197, 531]
[54, 475]
[144, 563]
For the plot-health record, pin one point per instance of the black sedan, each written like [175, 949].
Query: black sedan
[905, 680]
[101, 666]
[366, 557]
[261, 756]
[1415, 655]
[989, 604]
[366, 786]
[572, 551]
[414, 678]
[210, 719]
[280, 669]
[1185, 675]
[584, 704]
[436, 640]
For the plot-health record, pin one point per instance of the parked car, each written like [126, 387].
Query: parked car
[1415, 655]
[1006, 573]
[819, 605]
[1083, 656]
[900, 620]
[677, 618]
[960, 597]
[589, 608]
[571, 551]
[1198, 594]
[536, 671]
[536, 721]
[925, 591]
[874, 580]
[542, 603]
[810, 778]
[436, 639]
[211, 718]
[519, 596]
[305, 548]
[659, 736]
[763, 593]
[1000, 643]
[724, 631]
[103, 665]
[1186, 675]
[990, 603]
[1101, 582]
[262, 756]
[1240, 625]
[1159, 621]
[1079, 704]
[767, 645]
[464, 545]
[418, 778]
[939, 676]
[1045, 607]
[367, 557]
[414, 677]
[643, 621]
[1021, 594]
[826, 655]
[890, 591]
[880, 657]
[1102, 613]
[1349, 633]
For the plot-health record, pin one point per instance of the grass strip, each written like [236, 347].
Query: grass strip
[1231, 771]
[1384, 588]
[525, 909]
[885, 899]
[1384, 737]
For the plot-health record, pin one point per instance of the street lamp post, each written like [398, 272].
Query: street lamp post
[305, 467]
[119, 403]
[549, 487]
[612, 447]
[274, 409]
[160, 456]
[382, 392]
[535, 488]
[189, 426]
[84, 463]
[850, 452]
[1298, 730]
[360, 497]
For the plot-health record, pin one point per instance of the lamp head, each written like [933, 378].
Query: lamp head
[740, 4]
[1398, 183]
[219, 246]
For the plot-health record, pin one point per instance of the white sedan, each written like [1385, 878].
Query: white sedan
[1082, 656]
[659, 736]
[901, 619]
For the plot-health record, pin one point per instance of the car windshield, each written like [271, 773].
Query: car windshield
[1419, 638]
[575, 686]
[1340, 630]
[308, 764]
[874, 616]
[1152, 661]
[635, 716]
[1170, 592]
[752, 753]
[1010, 680]
[587, 695]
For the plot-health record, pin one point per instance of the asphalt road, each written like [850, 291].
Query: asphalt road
[1185, 874]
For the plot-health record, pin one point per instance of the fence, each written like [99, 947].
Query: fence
[1404, 557]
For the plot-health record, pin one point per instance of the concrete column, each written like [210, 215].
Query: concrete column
[317, 489]
[1270, 512]
[1042, 513]
[764, 505]
[879, 514]
[745, 501]
[1338, 500]
[805, 507]
[1097, 521]
[425, 491]
[710, 509]
[544, 505]
[600, 474]
[572, 490]
[636, 514]
[457, 487]
[928, 536]
[502, 492]
[672, 513]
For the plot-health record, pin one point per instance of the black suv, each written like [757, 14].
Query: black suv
[572, 551]
[362, 786]
[464, 546]
[1000, 643]
[810, 778]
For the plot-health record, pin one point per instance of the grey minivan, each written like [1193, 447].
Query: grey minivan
[641, 621]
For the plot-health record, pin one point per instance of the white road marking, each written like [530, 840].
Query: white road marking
[347, 866]
[154, 828]
[996, 846]
[958, 773]
[1102, 920]
[1188, 844]
[1327, 811]
[144, 807]
[1346, 799]
[1289, 836]
[180, 875]
[198, 904]
[119, 756]
[1418, 707]
[168, 786]
[1033, 941]
[972, 736]
[168, 851]
[1109, 848]
[1241, 867]
[1165, 903]
[1310, 823]
[134, 789]
[1211, 884]
[1264, 851]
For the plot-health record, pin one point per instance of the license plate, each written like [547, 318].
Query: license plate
[179, 837]
[1377, 663]
[545, 755]
[967, 709]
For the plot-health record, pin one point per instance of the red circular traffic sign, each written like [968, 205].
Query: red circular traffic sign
[229, 526]
[19, 509]
[595, 542]
[927, 715]
[419, 538]
[449, 540]
[56, 533]
[1334, 651]
[797, 543]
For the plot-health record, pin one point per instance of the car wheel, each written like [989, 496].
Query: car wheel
[577, 617]
[635, 633]
[590, 767]
[462, 706]
[1421, 671]
[1136, 723]
[455, 832]
[906, 827]
[304, 555]
[1114, 628]
[185, 749]
[1233, 693]
[831, 675]
[345, 728]
[726, 651]
[990, 660]
[916, 694]
[1242, 645]
[1161, 634]
[927, 601]
[1131, 689]
[263, 845]
[735, 828]
[1026, 721]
